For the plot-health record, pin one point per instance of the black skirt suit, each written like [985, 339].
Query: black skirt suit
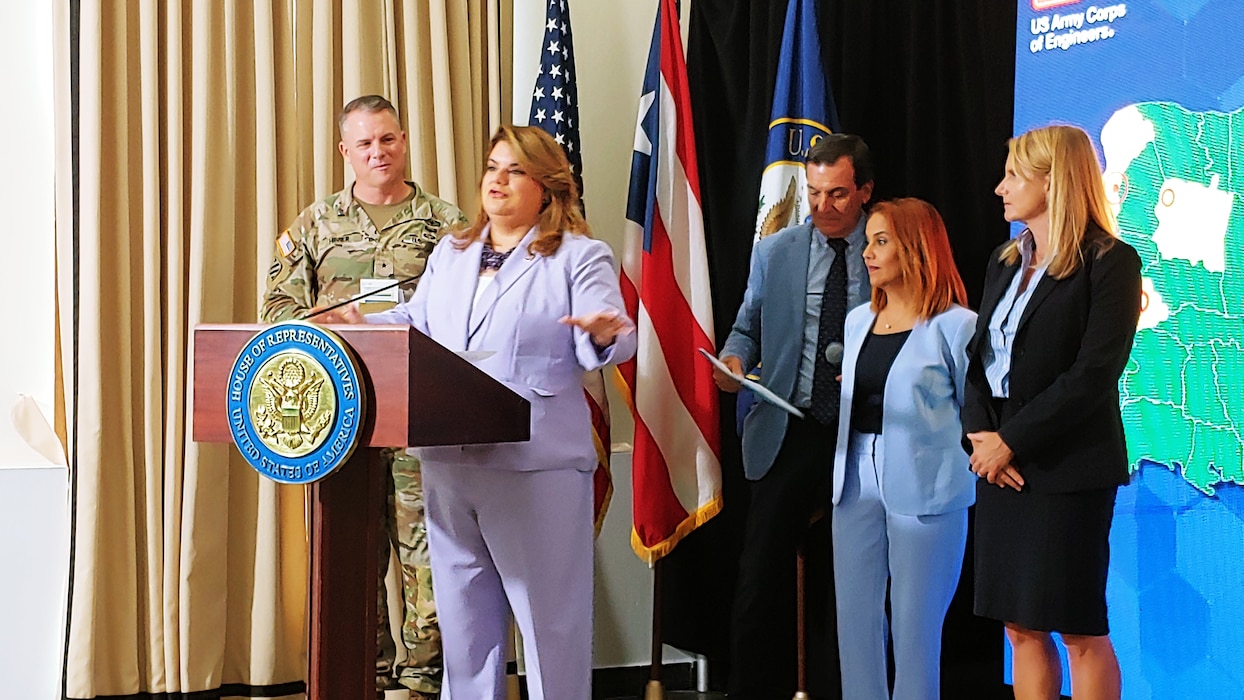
[1042, 553]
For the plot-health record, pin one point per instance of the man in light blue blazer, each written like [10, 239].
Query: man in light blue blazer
[787, 459]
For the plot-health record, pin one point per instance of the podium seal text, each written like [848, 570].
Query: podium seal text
[295, 402]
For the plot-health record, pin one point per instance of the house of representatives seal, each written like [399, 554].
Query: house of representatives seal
[296, 402]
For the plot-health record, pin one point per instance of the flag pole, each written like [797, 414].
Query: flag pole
[655, 690]
[801, 624]
[676, 482]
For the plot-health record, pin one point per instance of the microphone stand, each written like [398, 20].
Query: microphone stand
[358, 297]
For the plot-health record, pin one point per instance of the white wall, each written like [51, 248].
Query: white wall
[34, 545]
[611, 41]
[27, 183]
[34, 531]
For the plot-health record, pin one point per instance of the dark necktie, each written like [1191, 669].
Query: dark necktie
[826, 390]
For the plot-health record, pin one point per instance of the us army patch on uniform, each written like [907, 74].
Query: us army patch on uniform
[285, 244]
[296, 402]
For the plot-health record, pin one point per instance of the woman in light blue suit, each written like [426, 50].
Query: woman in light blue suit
[902, 485]
[510, 525]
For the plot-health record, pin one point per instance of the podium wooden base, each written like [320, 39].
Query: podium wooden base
[344, 579]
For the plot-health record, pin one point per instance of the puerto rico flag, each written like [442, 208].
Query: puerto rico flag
[677, 466]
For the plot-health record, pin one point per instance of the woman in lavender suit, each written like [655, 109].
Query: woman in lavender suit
[510, 525]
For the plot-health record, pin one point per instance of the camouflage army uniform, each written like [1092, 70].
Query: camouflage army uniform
[319, 261]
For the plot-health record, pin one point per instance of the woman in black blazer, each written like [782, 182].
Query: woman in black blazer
[1041, 417]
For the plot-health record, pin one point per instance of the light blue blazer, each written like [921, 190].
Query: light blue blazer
[534, 354]
[926, 470]
[769, 329]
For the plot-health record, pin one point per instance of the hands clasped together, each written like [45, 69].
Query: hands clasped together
[991, 460]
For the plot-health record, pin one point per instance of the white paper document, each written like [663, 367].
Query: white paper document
[757, 388]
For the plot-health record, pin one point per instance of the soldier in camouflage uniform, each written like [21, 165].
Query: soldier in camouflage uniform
[380, 230]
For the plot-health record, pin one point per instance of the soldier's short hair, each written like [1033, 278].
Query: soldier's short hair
[827, 151]
[366, 103]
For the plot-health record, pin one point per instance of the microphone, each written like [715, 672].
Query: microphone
[358, 297]
[833, 353]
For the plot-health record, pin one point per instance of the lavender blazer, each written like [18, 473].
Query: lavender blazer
[536, 356]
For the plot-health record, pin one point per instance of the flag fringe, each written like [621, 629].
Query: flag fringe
[624, 389]
[650, 554]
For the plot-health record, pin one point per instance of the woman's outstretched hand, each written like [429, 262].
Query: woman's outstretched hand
[602, 326]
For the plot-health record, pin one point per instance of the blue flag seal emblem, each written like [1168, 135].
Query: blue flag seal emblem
[803, 113]
[296, 402]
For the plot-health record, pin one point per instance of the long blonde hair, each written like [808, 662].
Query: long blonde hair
[924, 256]
[544, 161]
[1077, 196]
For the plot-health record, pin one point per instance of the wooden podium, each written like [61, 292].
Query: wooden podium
[420, 394]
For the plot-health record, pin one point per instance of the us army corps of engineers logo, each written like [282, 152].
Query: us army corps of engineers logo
[296, 402]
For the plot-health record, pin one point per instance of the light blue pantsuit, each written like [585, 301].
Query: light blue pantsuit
[920, 555]
[900, 509]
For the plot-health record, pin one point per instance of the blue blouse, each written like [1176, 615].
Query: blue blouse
[1005, 320]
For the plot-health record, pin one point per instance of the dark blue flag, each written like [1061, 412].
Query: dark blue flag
[803, 112]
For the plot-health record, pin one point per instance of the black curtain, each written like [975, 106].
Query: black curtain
[929, 86]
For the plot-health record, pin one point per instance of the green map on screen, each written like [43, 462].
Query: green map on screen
[1176, 179]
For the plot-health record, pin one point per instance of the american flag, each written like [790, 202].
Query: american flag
[555, 108]
[677, 464]
[555, 98]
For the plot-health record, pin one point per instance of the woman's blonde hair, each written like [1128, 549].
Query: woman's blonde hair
[544, 161]
[924, 256]
[1076, 198]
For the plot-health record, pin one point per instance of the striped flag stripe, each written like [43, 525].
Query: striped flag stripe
[675, 330]
[674, 75]
[673, 427]
[688, 253]
[602, 478]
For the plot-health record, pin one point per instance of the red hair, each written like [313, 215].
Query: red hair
[925, 260]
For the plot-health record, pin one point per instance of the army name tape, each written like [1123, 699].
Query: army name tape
[296, 402]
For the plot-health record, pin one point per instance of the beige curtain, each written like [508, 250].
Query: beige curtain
[203, 128]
